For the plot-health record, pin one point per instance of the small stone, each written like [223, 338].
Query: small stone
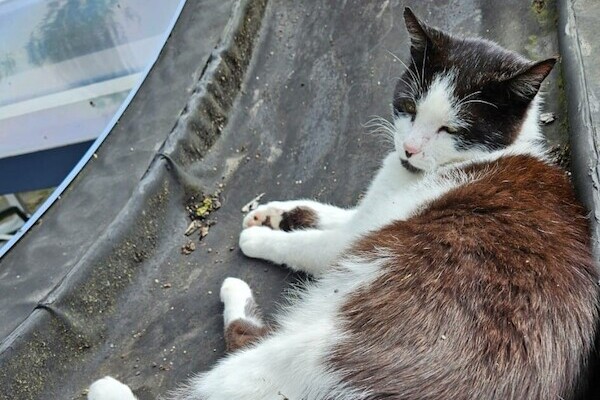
[166, 286]
[547, 118]
[188, 248]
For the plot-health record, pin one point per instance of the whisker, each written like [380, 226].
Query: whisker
[461, 101]
[381, 127]
[423, 65]
[413, 75]
[480, 101]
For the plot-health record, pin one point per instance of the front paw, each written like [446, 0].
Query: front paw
[265, 215]
[256, 242]
[285, 216]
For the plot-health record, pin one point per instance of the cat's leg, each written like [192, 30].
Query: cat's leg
[109, 388]
[241, 316]
[310, 250]
[297, 214]
[284, 365]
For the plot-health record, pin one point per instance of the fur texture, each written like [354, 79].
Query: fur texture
[465, 272]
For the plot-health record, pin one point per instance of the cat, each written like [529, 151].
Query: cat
[464, 273]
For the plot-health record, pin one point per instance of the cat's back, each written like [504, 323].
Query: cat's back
[490, 292]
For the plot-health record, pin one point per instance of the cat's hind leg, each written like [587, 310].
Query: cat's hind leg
[297, 214]
[241, 317]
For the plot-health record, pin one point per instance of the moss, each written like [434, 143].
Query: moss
[545, 12]
[532, 47]
[27, 374]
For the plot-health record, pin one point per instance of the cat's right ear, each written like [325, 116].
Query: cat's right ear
[419, 37]
[526, 83]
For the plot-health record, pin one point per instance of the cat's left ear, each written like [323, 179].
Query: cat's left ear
[526, 83]
[420, 38]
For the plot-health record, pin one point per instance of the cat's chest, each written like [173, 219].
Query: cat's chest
[401, 199]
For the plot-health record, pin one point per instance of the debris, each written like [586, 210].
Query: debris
[198, 213]
[252, 204]
[561, 154]
[208, 204]
[203, 231]
[547, 118]
[166, 286]
[201, 210]
[192, 227]
[188, 248]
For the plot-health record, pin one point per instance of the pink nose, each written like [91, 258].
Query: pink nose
[411, 149]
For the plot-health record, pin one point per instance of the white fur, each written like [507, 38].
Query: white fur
[329, 217]
[235, 294]
[290, 363]
[109, 388]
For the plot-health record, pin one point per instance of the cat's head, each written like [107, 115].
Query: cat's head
[461, 98]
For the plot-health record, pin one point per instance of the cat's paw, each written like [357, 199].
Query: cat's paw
[109, 388]
[234, 290]
[256, 241]
[265, 215]
[281, 215]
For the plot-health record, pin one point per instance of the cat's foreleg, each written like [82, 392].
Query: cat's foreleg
[310, 250]
[298, 214]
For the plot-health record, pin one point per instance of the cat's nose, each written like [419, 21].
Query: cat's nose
[410, 150]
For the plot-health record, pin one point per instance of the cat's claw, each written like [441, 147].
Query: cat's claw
[265, 215]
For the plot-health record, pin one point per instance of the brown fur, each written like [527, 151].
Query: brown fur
[244, 332]
[241, 333]
[298, 218]
[491, 294]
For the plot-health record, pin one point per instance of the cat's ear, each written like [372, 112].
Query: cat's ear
[420, 38]
[526, 83]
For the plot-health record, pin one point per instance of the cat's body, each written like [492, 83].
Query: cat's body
[464, 272]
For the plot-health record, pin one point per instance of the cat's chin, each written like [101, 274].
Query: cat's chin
[411, 168]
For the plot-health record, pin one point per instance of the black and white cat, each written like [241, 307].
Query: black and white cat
[464, 273]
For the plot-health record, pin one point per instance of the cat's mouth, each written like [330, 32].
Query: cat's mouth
[411, 168]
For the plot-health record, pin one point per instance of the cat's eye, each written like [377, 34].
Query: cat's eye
[405, 106]
[447, 129]
[409, 107]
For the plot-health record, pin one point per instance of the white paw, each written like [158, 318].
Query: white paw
[265, 215]
[109, 388]
[235, 290]
[256, 241]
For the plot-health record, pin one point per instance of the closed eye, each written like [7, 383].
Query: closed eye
[447, 129]
[406, 106]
